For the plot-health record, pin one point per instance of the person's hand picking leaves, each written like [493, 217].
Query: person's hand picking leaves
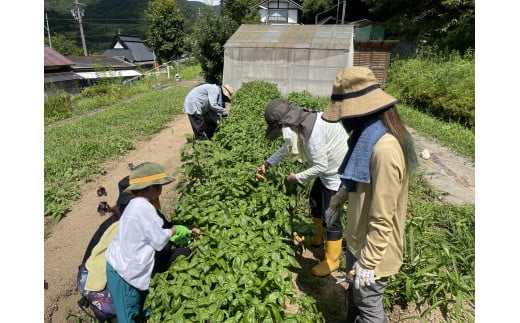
[180, 237]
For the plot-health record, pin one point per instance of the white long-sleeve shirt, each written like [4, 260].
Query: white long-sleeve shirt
[323, 152]
[131, 252]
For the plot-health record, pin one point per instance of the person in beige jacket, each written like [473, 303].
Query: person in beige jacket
[374, 180]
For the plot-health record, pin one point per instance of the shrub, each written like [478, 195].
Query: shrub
[58, 107]
[443, 86]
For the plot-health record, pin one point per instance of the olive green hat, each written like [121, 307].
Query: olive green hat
[356, 92]
[147, 174]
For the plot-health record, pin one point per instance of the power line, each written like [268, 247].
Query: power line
[96, 19]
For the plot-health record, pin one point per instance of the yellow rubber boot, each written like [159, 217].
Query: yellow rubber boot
[331, 260]
[317, 240]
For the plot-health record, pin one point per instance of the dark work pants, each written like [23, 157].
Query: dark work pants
[319, 200]
[203, 127]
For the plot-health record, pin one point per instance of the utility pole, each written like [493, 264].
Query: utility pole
[78, 13]
[343, 13]
[48, 30]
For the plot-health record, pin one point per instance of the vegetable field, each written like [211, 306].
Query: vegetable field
[241, 270]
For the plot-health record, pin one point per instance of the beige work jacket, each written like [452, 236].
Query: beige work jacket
[376, 212]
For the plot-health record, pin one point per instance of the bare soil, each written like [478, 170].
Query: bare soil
[451, 175]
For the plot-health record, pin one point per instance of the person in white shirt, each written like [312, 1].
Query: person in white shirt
[130, 255]
[322, 147]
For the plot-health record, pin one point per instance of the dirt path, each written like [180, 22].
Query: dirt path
[450, 174]
[64, 248]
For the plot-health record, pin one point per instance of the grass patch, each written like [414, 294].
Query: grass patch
[74, 151]
[450, 134]
[439, 256]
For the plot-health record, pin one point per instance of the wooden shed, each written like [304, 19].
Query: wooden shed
[374, 54]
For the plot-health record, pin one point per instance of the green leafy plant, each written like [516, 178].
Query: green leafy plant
[241, 268]
[442, 86]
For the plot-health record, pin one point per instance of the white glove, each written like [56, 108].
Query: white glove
[364, 277]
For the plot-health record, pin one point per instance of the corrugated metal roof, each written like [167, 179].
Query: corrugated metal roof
[52, 58]
[123, 73]
[91, 62]
[60, 77]
[292, 36]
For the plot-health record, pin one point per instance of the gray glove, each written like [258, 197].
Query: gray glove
[331, 216]
[335, 207]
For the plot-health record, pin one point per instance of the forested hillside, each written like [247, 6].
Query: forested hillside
[103, 19]
[445, 25]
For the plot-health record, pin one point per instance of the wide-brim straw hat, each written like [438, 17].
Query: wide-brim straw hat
[227, 90]
[274, 112]
[124, 197]
[356, 92]
[147, 174]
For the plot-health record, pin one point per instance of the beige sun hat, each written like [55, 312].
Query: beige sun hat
[227, 90]
[356, 92]
[147, 174]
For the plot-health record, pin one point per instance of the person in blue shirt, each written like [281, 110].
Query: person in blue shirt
[203, 104]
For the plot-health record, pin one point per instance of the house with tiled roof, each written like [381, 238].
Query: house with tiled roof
[132, 49]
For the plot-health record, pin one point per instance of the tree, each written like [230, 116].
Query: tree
[210, 34]
[312, 7]
[239, 12]
[64, 46]
[448, 24]
[165, 31]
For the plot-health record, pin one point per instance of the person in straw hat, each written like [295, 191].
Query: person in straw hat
[321, 147]
[203, 104]
[130, 256]
[374, 180]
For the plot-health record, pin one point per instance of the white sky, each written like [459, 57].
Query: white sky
[209, 2]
